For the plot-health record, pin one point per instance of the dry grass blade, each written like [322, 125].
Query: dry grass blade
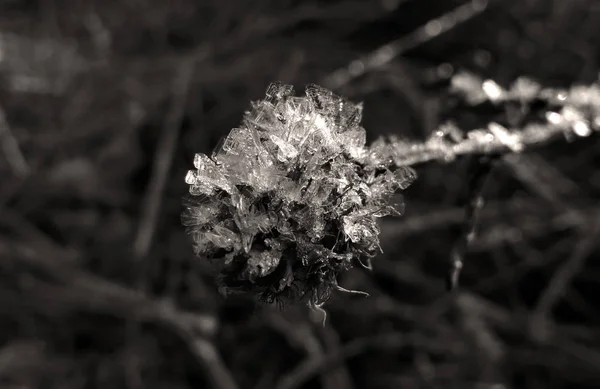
[561, 281]
[391, 50]
[162, 163]
[10, 146]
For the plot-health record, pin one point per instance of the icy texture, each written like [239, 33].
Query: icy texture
[574, 111]
[575, 103]
[568, 113]
[291, 197]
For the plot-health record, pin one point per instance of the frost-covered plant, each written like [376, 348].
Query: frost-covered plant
[291, 197]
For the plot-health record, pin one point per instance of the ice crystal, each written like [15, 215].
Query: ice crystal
[290, 199]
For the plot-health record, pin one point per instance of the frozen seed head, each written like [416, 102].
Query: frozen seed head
[290, 199]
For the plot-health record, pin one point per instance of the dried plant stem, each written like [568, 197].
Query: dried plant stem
[11, 149]
[313, 366]
[80, 291]
[386, 53]
[151, 202]
[162, 162]
[481, 168]
[203, 350]
[563, 277]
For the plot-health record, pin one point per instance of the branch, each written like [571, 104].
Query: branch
[560, 282]
[479, 141]
[75, 290]
[163, 159]
[481, 169]
[10, 146]
[386, 53]
[314, 365]
[571, 113]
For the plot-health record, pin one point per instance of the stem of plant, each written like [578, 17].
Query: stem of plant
[480, 168]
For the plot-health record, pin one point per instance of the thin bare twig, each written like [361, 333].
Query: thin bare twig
[11, 148]
[541, 178]
[312, 366]
[561, 280]
[481, 169]
[162, 161]
[487, 343]
[81, 291]
[152, 200]
[299, 334]
[391, 50]
[339, 377]
[204, 351]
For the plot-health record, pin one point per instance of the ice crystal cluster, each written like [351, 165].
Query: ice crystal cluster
[290, 199]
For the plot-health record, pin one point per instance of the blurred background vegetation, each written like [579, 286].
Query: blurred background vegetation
[103, 104]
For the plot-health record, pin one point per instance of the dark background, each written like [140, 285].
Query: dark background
[96, 101]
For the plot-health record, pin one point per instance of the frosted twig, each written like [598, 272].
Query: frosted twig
[571, 113]
[535, 173]
[10, 145]
[579, 116]
[479, 141]
[391, 50]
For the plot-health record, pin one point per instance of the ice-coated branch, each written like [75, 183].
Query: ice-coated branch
[571, 113]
